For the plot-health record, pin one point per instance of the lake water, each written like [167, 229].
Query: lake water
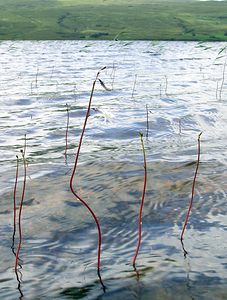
[170, 91]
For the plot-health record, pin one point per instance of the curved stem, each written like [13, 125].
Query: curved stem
[21, 206]
[141, 204]
[193, 190]
[73, 174]
[14, 203]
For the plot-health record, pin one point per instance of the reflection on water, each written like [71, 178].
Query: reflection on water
[178, 84]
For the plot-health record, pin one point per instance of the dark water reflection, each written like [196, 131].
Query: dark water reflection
[59, 236]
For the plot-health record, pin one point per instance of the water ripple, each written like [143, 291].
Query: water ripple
[170, 99]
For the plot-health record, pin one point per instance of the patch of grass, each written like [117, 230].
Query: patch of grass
[107, 19]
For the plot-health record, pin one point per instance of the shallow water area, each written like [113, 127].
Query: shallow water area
[170, 92]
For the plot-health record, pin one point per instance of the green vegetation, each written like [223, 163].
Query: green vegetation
[113, 19]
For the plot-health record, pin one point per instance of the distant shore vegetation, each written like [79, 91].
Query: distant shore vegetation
[113, 20]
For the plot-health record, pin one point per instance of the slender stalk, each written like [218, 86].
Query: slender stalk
[134, 86]
[21, 206]
[222, 82]
[25, 144]
[217, 91]
[73, 174]
[36, 77]
[141, 204]
[166, 85]
[113, 76]
[193, 191]
[15, 203]
[67, 130]
[147, 133]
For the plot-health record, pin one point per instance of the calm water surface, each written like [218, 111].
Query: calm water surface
[169, 91]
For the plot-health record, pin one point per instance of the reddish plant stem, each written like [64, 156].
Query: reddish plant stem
[141, 205]
[21, 206]
[15, 203]
[73, 174]
[67, 130]
[193, 191]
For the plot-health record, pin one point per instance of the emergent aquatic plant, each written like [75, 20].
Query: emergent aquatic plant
[66, 131]
[15, 203]
[21, 206]
[141, 204]
[192, 195]
[73, 174]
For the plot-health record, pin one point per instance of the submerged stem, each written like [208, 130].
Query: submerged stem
[141, 204]
[193, 190]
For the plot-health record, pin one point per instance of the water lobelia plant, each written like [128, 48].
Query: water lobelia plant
[141, 204]
[192, 196]
[72, 177]
[15, 203]
[21, 206]
[66, 131]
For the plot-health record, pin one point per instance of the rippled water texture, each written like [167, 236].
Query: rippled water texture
[169, 91]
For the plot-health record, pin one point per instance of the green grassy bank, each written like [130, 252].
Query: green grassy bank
[113, 19]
